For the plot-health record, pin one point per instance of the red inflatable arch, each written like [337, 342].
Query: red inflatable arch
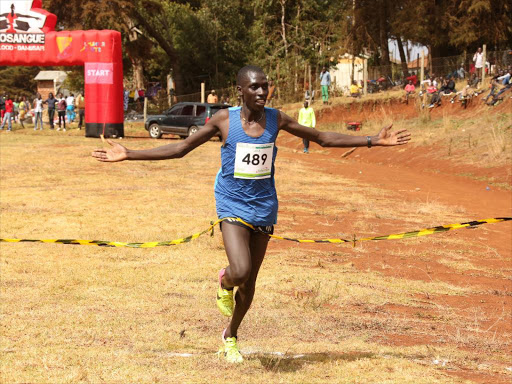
[27, 37]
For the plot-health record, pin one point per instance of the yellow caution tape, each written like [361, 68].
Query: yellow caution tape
[404, 235]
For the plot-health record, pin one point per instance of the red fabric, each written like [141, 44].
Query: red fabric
[104, 96]
[412, 78]
[9, 106]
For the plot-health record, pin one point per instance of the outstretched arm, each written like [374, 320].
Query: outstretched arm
[385, 137]
[117, 152]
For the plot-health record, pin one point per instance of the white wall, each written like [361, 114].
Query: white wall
[343, 73]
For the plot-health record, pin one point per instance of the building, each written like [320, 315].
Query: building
[341, 75]
[50, 81]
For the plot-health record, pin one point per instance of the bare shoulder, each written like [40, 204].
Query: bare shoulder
[220, 116]
[283, 119]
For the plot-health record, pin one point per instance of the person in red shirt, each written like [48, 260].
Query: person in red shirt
[9, 109]
[409, 91]
[412, 78]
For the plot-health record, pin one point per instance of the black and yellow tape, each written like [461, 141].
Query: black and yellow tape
[404, 235]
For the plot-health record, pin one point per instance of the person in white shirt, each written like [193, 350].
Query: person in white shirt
[38, 111]
[478, 58]
[70, 109]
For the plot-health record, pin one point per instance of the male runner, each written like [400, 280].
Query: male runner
[244, 187]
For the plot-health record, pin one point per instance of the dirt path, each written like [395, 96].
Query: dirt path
[414, 177]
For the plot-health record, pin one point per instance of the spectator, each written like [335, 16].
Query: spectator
[212, 97]
[473, 80]
[448, 87]
[61, 110]
[51, 102]
[325, 82]
[9, 109]
[38, 112]
[478, 59]
[16, 104]
[354, 90]
[23, 108]
[504, 78]
[410, 90]
[428, 95]
[70, 108]
[461, 73]
[412, 78]
[2, 107]
[80, 108]
[307, 118]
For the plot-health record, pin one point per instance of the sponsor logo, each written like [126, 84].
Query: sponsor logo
[64, 46]
[99, 73]
[93, 46]
[22, 38]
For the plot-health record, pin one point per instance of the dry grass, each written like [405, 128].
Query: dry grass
[87, 314]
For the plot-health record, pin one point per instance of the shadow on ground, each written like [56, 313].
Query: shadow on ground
[291, 363]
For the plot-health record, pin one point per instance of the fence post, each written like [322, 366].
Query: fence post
[203, 88]
[422, 69]
[484, 59]
[310, 86]
[145, 107]
[365, 76]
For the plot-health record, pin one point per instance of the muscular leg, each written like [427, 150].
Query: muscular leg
[245, 250]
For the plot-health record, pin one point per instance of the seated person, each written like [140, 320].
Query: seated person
[412, 78]
[448, 87]
[354, 90]
[430, 91]
[504, 76]
[409, 91]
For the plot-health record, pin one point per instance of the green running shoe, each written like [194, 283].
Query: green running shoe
[225, 300]
[230, 350]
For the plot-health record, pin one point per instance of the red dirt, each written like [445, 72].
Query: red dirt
[419, 176]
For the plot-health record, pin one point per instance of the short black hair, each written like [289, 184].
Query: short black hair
[242, 73]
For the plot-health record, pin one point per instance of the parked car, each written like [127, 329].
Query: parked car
[182, 119]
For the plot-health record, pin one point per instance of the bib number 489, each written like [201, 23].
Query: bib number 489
[255, 159]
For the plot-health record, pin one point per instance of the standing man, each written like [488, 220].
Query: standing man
[80, 106]
[325, 82]
[9, 109]
[307, 119]
[61, 110]
[212, 97]
[245, 189]
[478, 59]
[51, 101]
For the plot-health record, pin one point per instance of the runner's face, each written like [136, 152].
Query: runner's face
[254, 90]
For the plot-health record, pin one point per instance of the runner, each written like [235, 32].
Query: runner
[244, 187]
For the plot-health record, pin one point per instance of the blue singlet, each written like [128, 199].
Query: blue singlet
[252, 200]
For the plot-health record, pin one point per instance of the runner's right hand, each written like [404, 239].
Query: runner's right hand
[116, 153]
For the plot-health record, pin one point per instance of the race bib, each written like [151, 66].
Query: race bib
[253, 161]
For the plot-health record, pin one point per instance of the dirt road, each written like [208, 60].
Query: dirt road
[484, 312]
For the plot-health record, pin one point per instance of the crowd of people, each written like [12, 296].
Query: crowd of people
[20, 110]
[433, 89]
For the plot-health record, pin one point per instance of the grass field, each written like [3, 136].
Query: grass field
[425, 310]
